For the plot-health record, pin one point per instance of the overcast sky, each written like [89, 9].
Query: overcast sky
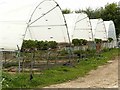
[70, 4]
[83, 4]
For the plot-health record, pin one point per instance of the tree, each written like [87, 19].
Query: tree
[109, 12]
[112, 12]
[66, 11]
[79, 11]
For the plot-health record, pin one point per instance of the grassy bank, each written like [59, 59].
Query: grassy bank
[57, 74]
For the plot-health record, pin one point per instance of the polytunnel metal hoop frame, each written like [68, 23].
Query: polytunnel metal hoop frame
[28, 24]
[43, 15]
[70, 46]
[105, 29]
[84, 29]
[57, 5]
[47, 25]
[80, 19]
[92, 32]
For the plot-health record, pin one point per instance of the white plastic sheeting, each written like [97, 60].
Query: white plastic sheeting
[11, 35]
[79, 26]
[30, 19]
[111, 33]
[47, 23]
[98, 28]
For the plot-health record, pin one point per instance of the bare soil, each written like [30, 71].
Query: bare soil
[105, 76]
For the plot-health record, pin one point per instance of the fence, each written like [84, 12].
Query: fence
[38, 60]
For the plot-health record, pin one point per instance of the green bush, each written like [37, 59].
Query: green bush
[78, 42]
[110, 40]
[29, 44]
[63, 52]
[52, 44]
[79, 52]
[98, 40]
[75, 42]
[40, 45]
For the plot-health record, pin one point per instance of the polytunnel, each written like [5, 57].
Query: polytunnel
[98, 28]
[30, 19]
[111, 33]
[79, 26]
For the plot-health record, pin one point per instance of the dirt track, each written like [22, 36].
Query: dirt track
[104, 77]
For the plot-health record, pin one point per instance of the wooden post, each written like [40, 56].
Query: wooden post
[18, 56]
[1, 64]
[31, 68]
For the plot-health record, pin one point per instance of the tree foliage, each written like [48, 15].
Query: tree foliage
[66, 11]
[109, 12]
[112, 12]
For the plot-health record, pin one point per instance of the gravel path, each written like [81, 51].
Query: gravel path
[105, 76]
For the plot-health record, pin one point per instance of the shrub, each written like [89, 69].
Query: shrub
[27, 44]
[63, 52]
[78, 42]
[40, 45]
[110, 40]
[52, 44]
[75, 42]
[98, 40]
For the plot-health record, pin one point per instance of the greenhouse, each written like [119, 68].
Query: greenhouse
[99, 30]
[79, 26]
[33, 20]
[111, 33]
[40, 46]
[33, 35]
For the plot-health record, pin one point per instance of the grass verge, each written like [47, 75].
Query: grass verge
[57, 74]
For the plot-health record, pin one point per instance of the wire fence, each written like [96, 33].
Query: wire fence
[38, 60]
